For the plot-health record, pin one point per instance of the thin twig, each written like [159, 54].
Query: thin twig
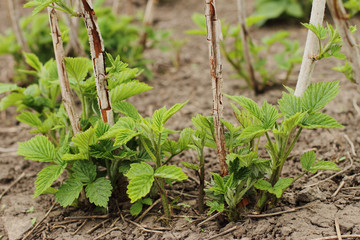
[339, 188]
[224, 233]
[147, 210]
[88, 217]
[11, 185]
[337, 227]
[115, 221]
[336, 237]
[334, 175]
[106, 233]
[278, 213]
[209, 219]
[37, 225]
[80, 227]
[351, 188]
[97, 226]
[66, 222]
[351, 144]
[143, 228]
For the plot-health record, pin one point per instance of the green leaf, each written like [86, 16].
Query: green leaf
[157, 119]
[290, 105]
[99, 192]
[307, 160]
[73, 157]
[136, 208]
[139, 169]
[248, 104]
[317, 95]
[252, 132]
[78, 68]
[270, 115]
[170, 172]
[294, 9]
[324, 165]
[127, 109]
[320, 120]
[122, 123]
[39, 148]
[29, 118]
[215, 206]
[46, 177]
[84, 139]
[280, 186]
[126, 90]
[84, 171]
[139, 186]
[191, 165]
[7, 87]
[262, 184]
[147, 201]
[174, 109]
[293, 121]
[32, 59]
[68, 192]
[125, 135]
[13, 99]
[101, 128]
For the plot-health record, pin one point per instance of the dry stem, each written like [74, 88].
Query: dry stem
[213, 37]
[66, 94]
[97, 51]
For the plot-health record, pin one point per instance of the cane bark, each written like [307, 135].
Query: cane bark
[245, 38]
[148, 20]
[97, 51]
[311, 48]
[66, 94]
[14, 15]
[213, 37]
[350, 46]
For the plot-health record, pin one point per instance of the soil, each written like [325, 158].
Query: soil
[192, 81]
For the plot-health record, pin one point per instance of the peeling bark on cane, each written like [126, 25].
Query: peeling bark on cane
[350, 46]
[97, 51]
[311, 48]
[213, 37]
[66, 94]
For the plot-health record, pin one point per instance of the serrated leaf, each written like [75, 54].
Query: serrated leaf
[307, 160]
[157, 119]
[38, 148]
[317, 95]
[84, 139]
[215, 206]
[99, 192]
[32, 60]
[126, 90]
[84, 171]
[262, 184]
[324, 165]
[68, 192]
[101, 128]
[280, 186]
[170, 172]
[13, 99]
[270, 115]
[320, 120]
[125, 135]
[29, 118]
[139, 169]
[248, 104]
[293, 121]
[147, 201]
[174, 109]
[191, 165]
[73, 157]
[136, 208]
[139, 186]
[127, 109]
[7, 87]
[290, 105]
[46, 177]
[78, 67]
[122, 123]
[251, 132]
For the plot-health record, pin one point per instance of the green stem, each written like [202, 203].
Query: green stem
[202, 183]
[143, 142]
[163, 196]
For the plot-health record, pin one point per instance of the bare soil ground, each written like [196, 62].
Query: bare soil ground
[192, 81]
